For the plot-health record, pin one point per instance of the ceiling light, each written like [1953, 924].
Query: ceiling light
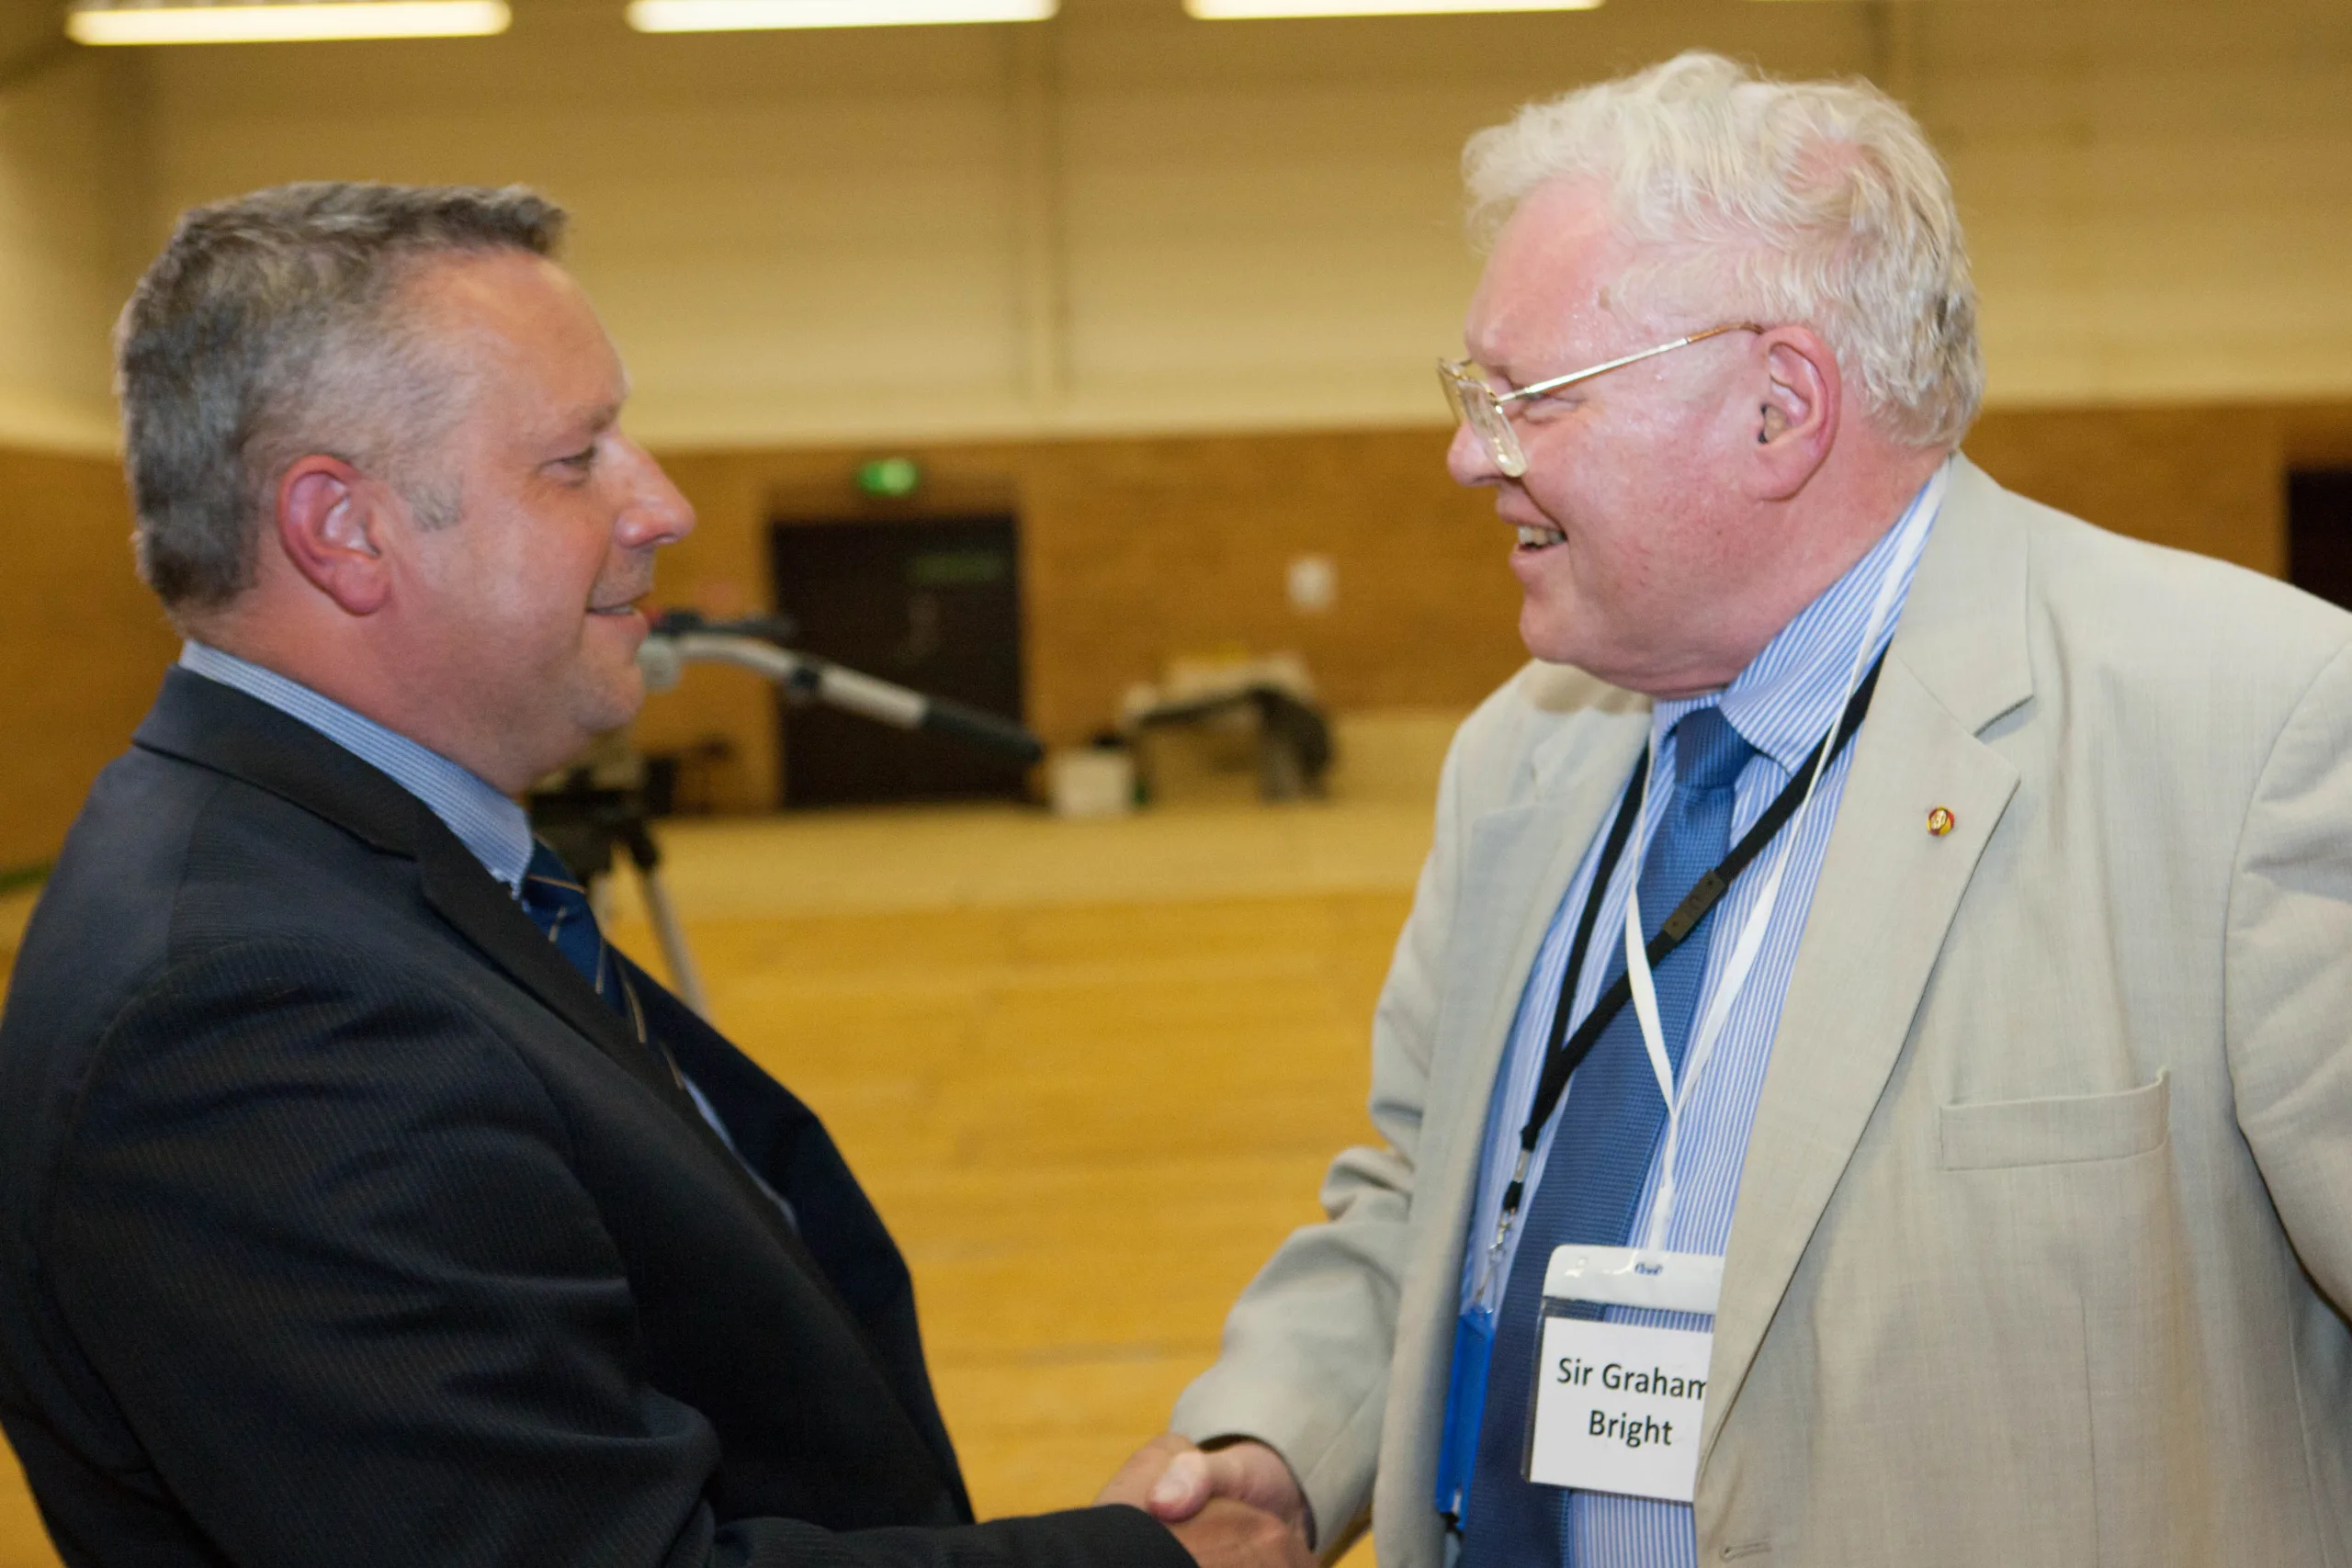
[1228, 10]
[733, 15]
[276, 21]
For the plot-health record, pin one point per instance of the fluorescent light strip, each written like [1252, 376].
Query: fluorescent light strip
[1234, 10]
[743, 16]
[280, 23]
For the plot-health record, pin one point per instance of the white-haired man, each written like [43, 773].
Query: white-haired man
[1985, 885]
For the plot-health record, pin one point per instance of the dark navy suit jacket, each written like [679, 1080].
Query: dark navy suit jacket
[341, 1223]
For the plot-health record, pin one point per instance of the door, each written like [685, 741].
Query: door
[932, 605]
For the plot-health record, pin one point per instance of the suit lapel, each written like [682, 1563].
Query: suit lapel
[1515, 870]
[1517, 862]
[1887, 893]
[224, 729]
[485, 914]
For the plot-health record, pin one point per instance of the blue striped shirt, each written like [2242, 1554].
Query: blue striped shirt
[497, 830]
[1783, 703]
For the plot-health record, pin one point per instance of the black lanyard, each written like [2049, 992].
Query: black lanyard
[1565, 1052]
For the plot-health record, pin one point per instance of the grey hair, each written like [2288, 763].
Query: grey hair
[1819, 203]
[270, 327]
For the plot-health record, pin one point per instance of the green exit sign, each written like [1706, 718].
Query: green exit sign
[890, 477]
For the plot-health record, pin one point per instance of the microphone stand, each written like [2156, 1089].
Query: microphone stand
[586, 816]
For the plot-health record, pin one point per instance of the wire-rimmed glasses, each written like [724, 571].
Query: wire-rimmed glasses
[1477, 403]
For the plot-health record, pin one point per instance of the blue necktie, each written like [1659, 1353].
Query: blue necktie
[557, 901]
[1600, 1154]
[560, 905]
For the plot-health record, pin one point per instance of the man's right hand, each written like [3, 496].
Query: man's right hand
[1226, 1534]
[1223, 1494]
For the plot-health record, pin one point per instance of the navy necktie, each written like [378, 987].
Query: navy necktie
[558, 903]
[1600, 1154]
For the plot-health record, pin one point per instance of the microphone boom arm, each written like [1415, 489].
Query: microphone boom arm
[664, 653]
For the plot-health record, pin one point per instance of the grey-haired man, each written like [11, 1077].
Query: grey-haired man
[357, 1204]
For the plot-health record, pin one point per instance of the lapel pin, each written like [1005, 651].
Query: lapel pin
[1939, 820]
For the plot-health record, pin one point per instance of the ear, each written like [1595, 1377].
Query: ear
[1795, 422]
[328, 526]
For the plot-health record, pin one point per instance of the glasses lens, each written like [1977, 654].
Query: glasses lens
[1450, 378]
[1502, 440]
[1473, 402]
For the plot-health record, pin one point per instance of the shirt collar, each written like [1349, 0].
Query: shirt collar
[1789, 696]
[493, 828]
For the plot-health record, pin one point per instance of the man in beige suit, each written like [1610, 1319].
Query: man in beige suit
[2022, 1115]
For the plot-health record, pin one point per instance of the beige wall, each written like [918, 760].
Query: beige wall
[73, 208]
[2159, 196]
[1127, 221]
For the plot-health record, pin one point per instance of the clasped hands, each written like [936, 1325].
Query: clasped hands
[1233, 1507]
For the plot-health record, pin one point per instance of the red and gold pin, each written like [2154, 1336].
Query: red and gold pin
[1939, 820]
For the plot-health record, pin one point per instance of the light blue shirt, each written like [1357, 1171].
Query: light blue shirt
[1783, 703]
[497, 830]
[492, 827]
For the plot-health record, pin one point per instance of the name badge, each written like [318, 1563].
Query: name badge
[1618, 1406]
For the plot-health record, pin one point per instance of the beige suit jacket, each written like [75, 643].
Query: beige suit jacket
[2045, 1227]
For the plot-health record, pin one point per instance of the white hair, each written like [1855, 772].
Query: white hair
[1817, 203]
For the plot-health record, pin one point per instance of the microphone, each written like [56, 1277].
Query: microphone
[680, 637]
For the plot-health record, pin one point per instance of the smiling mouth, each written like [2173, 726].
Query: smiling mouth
[626, 607]
[1537, 536]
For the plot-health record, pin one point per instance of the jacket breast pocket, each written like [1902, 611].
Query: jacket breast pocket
[2062, 1130]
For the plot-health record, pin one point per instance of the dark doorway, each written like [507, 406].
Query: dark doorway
[2319, 532]
[935, 605]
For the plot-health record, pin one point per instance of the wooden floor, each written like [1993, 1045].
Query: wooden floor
[1089, 1071]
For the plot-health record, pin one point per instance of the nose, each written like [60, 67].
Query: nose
[1470, 460]
[655, 512]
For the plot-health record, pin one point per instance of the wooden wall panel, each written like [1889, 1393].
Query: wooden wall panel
[81, 643]
[1134, 551]
[2318, 436]
[2208, 480]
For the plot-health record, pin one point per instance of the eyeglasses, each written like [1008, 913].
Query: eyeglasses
[1477, 403]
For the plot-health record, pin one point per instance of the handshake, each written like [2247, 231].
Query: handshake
[1233, 1507]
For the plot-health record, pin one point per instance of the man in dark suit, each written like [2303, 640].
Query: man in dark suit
[356, 1203]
